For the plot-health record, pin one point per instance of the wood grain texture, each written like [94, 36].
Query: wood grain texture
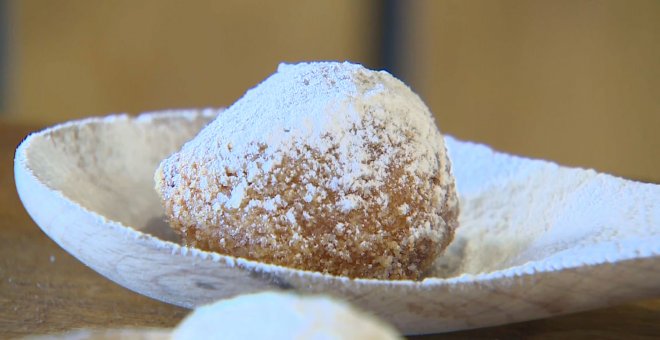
[43, 289]
[489, 300]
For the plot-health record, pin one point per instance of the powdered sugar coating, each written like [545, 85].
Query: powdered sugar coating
[276, 315]
[323, 166]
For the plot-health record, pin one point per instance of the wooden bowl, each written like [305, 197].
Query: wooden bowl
[536, 239]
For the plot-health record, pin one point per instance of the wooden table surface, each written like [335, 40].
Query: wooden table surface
[43, 289]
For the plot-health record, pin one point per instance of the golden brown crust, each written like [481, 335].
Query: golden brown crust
[326, 167]
[396, 232]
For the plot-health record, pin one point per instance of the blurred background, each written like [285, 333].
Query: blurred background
[576, 81]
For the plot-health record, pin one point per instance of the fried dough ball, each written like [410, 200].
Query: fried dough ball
[325, 167]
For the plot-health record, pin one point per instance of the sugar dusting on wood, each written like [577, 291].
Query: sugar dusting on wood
[613, 259]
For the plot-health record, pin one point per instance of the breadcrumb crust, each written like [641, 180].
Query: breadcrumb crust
[291, 205]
